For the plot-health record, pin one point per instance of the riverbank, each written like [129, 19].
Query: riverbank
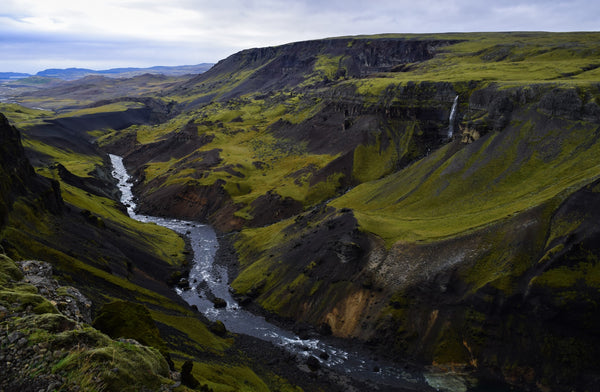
[301, 370]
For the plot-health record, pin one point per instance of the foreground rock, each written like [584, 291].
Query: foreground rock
[46, 345]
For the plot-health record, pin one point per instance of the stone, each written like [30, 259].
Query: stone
[187, 378]
[219, 303]
[313, 363]
[15, 336]
[218, 328]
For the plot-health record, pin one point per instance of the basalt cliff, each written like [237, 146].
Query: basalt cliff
[357, 206]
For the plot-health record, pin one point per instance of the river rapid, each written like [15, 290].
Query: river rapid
[207, 279]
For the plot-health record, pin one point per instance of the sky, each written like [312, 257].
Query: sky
[101, 34]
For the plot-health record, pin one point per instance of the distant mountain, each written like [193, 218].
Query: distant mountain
[9, 76]
[77, 73]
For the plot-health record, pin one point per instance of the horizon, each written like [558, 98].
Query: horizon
[130, 33]
[35, 73]
[152, 65]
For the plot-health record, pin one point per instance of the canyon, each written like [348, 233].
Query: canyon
[430, 198]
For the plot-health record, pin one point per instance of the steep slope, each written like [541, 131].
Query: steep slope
[295, 125]
[117, 263]
[473, 246]
[367, 210]
[17, 177]
[463, 256]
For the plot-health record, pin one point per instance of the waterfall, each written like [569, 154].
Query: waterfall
[452, 117]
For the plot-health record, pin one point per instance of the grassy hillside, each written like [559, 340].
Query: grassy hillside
[94, 246]
[532, 160]
[356, 213]
[307, 120]
[471, 221]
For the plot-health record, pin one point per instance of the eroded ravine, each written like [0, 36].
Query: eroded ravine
[209, 280]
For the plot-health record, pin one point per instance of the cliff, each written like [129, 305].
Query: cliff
[371, 223]
[356, 211]
[17, 177]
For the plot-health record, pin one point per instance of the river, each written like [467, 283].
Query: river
[206, 277]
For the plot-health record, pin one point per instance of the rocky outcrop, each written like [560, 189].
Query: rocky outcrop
[286, 66]
[489, 299]
[46, 343]
[271, 207]
[17, 177]
[68, 300]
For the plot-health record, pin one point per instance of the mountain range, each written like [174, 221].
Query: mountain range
[77, 73]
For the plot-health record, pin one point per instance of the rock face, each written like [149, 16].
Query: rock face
[286, 64]
[470, 253]
[46, 343]
[68, 300]
[490, 299]
[17, 177]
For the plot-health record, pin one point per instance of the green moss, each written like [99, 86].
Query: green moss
[551, 253]
[450, 349]
[324, 190]
[23, 298]
[566, 277]
[326, 68]
[79, 164]
[197, 332]
[27, 215]
[9, 271]
[225, 378]
[372, 162]
[115, 366]
[280, 296]
[109, 108]
[420, 201]
[128, 320]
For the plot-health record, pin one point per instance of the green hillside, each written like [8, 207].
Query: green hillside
[350, 207]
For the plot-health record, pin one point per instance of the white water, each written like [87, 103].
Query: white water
[452, 118]
[204, 245]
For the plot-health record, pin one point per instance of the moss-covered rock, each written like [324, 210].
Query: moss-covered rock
[48, 350]
[123, 319]
[9, 271]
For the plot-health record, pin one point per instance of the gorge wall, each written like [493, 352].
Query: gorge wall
[354, 212]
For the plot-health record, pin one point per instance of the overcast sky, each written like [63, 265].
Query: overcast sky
[100, 34]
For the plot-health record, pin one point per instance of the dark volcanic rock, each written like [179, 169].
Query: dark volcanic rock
[219, 303]
[187, 378]
[285, 66]
[68, 300]
[18, 177]
[561, 102]
[313, 363]
[271, 207]
[218, 328]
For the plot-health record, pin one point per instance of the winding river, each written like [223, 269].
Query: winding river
[210, 279]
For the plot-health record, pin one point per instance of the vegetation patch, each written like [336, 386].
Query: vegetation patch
[419, 202]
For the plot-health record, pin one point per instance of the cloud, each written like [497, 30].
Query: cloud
[151, 32]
